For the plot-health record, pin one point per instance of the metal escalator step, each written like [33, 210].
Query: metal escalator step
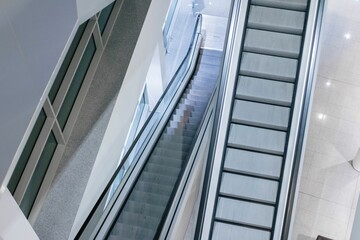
[263, 90]
[199, 92]
[196, 98]
[139, 220]
[209, 52]
[252, 188]
[170, 152]
[265, 66]
[281, 44]
[183, 112]
[207, 69]
[182, 125]
[144, 209]
[232, 232]
[209, 60]
[162, 169]
[201, 86]
[299, 5]
[253, 163]
[259, 139]
[191, 102]
[244, 212]
[173, 145]
[125, 231]
[182, 106]
[180, 132]
[273, 19]
[150, 187]
[168, 161]
[259, 114]
[157, 179]
[205, 80]
[176, 139]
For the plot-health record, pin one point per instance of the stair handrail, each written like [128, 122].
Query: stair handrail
[300, 121]
[170, 96]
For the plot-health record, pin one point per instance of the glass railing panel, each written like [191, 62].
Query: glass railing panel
[39, 174]
[66, 63]
[76, 83]
[25, 155]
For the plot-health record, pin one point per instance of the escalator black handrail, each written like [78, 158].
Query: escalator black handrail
[196, 32]
[305, 111]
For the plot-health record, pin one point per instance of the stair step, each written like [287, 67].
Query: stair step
[265, 66]
[139, 220]
[182, 125]
[281, 44]
[168, 161]
[260, 114]
[198, 103]
[299, 5]
[157, 179]
[144, 209]
[244, 212]
[253, 163]
[207, 69]
[179, 154]
[199, 92]
[251, 188]
[125, 231]
[173, 145]
[180, 132]
[208, 52]
[273, 19]
[176, 139]
[264, 90]
[258, 139]
[162, 169]
[196, 98]
[183, 112]
[232, 232]
[215, 61]
[199, 86]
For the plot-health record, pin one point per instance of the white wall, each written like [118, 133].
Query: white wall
[33, 37]
[124, 109]
[13, 224]
[88, 8]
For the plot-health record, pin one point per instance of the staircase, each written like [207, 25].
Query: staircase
[145, 207]
[259, 124]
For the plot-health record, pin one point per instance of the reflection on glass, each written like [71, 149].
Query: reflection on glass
[76, 83]
[25, 155]
[38, 175]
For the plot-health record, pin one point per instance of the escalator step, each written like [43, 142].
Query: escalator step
[210, 60]
[150, 187]
[265, 66]
[299, 5]
[173, 145]
[232, 232]
[139, 220]
[251, 188]
[258, 139]
[175, 153]
[266, 91]
[273, 19]
[176, 139]
[209, 52]
[168, 161]
[259, 114]
[125, 231]
[253, 163]
[144, 209]
[157, 179]
[244, 212]
[281, 44]
[163, 170]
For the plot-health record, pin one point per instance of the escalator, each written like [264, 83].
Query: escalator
[143, 211]
[246, 191]
[153, 168]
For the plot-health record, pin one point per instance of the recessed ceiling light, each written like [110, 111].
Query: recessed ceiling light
[321, 116]
[347, 35]
[328, 83]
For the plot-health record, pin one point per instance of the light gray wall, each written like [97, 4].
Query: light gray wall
[33, 37]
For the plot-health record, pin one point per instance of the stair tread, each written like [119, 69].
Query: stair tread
[266, 42]
[260, 114]
[264, 66]
[247, 187]
[264, 90]
[253, 163]
[273, 19]
[244, 212]
[259, 139]
[287, 4]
